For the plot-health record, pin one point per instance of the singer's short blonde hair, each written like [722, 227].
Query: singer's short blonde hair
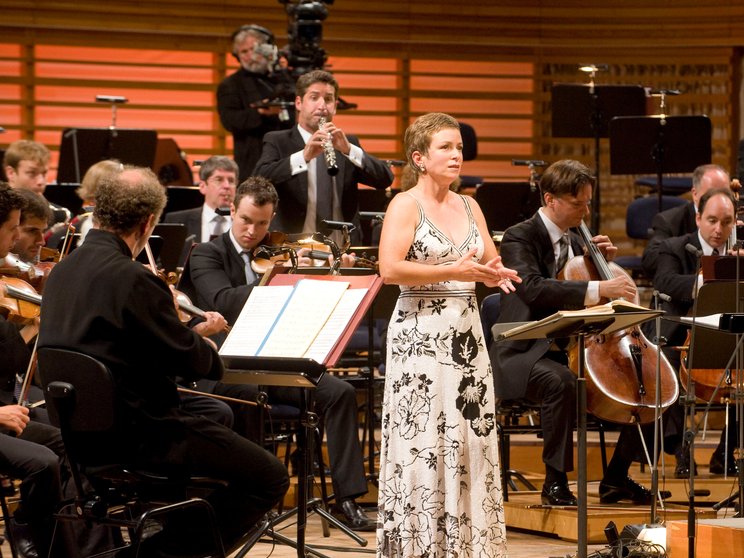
[418, 135]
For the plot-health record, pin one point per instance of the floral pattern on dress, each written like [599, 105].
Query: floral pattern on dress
[440, 489]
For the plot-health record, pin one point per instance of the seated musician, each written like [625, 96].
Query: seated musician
[219, 277]
[100, 302]
[675, 277]
[218, 177]
[680, 220]
[26, 163]
[537, 370]
[294, 162]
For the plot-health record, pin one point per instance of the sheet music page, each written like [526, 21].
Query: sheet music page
[307, 310]
[336, 325]
[255, 320]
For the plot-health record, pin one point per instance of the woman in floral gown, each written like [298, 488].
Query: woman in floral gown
[439, 483]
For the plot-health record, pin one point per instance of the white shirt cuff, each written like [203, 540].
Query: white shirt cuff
[297, 162]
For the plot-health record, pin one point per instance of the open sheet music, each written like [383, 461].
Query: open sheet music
[304, 320]
[610, 317]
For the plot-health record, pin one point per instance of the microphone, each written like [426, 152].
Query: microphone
[110, 99]
[663, 296]
[529, 163]
[693, 250]
[338, 225]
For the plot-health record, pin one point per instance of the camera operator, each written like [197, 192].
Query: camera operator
[242, 97]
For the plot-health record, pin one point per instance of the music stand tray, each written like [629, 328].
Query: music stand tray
[652, 144]
[578, 324]
[575, 114]
[80, 148]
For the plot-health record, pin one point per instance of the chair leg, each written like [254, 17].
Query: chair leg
[8, 531]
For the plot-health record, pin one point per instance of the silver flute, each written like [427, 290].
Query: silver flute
[328, 151]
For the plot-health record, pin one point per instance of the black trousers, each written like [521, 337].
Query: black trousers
[335, 400]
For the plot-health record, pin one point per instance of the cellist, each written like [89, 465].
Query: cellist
[675, 277]
[537, 370]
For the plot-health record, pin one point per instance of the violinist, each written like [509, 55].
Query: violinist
[537, 370]
[675, 276]
[680, 220]
[26, 251]
[101, 302]
[26, 165]
[219, 277]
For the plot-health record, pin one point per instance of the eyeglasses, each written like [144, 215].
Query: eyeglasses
[576, 204]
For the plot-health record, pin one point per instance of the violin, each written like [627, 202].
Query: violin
[621, 366]
[184, 307]
[21, 301]
[277, 248]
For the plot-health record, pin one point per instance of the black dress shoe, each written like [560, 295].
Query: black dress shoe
[557, 494]
[352, 515]
[611, 492]
[716, 465]
[24, 545]
[682, 468]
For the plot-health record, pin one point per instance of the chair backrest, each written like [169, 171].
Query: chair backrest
[641, 213]
[489, 313]
[83, 399]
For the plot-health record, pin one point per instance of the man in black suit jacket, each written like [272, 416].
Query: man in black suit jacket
[677, 277]
[537, 369]
[239, 94]
[218, 277]
[294, 162]
[680, 220]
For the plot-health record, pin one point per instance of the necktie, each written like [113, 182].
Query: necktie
[250, 276]
[715, 252]
[563, 254]
[323, 193]
[218, 227]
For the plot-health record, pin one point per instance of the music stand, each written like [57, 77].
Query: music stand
[80, 148]
[174, 240]
[576, 325]
[659, 144]
[585, 110]
[300, 372]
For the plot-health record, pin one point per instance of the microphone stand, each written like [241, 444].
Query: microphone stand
[689, 435]
[660, 342]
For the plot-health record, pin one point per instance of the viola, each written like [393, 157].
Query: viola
[621, 366]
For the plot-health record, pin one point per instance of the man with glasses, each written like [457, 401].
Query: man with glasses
[537, 370]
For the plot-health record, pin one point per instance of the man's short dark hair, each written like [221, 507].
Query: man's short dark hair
[35, 205]
[565, 177]
[10, 200]
[260, 189]
[316, 76]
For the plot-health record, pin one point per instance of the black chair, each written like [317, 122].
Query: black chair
[80, 396]
[638, 219]
[469, 152]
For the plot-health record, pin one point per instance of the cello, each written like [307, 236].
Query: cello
[621, 366]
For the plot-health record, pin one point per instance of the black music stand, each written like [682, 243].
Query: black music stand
[585, 110]
[80, 148]
[293, 372]
[574, 325]
[659, 144]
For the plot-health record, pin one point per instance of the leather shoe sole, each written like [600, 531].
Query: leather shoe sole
[716, 466]
[557, 494]
[350, 514]
[627, 490]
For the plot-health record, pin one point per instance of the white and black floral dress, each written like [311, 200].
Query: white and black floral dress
[439, 484]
